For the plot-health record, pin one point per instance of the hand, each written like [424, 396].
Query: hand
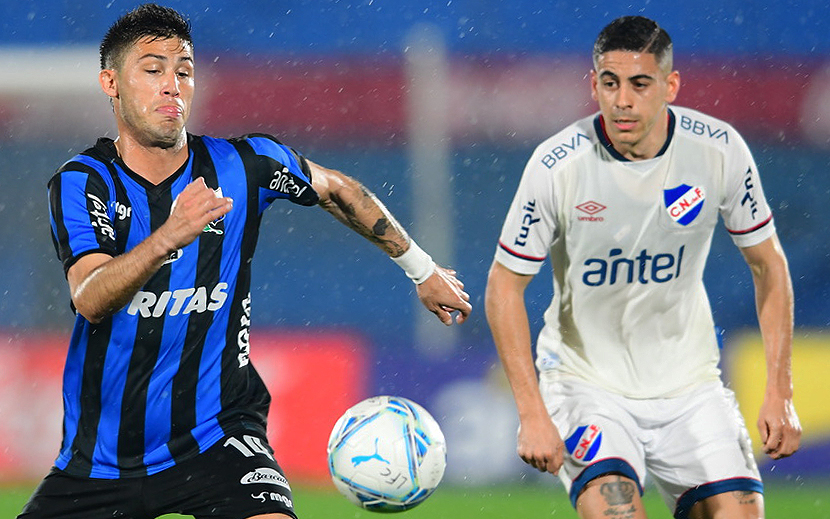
[195, 207]
[779, 427]
[443, 293]
[540, 446]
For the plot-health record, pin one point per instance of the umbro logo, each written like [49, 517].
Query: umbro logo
[591, 208]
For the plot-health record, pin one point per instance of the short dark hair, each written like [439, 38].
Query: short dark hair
[147, 20]
[636, 34]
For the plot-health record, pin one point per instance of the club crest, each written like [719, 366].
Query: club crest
[684, 203]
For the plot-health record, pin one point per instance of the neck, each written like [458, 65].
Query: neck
[154, 163]
[649, 146]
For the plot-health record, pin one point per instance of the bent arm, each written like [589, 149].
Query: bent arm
[359, 209]
[539, 442]
[777, 422]
[100, 284]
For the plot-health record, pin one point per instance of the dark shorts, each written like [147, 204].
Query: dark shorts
[236, 478]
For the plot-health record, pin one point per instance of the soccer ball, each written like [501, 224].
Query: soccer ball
[386, 454]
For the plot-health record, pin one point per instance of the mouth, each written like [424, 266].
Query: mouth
[624, 125]
[173, 111]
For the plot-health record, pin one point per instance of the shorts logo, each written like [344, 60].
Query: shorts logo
[273, 496]
[591, 208]
[684, 203]
[584, 443]
[265, 475]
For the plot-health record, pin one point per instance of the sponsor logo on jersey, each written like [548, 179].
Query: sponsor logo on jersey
[99, 218]
[265, 475]
[181, 301]
[748, 199]
[643, 268]
[528, 211]
[244, 336]
[563, 149]
[585, 442]
[703, 129]
[591, 208]
[684, 203]
[176, 254]
[285, 182]
[273, 496]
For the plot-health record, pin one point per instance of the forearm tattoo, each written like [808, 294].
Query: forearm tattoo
[381, 231]
[619, 496]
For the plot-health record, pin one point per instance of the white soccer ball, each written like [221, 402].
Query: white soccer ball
[386, 454]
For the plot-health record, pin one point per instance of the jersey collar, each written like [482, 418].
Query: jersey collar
[599, 127]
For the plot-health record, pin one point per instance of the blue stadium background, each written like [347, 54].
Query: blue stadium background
[310, 273]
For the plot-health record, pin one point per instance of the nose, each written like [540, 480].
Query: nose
[170, 87]
[623, 99]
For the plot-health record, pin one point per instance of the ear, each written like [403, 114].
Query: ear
[594, 95]
[673, 83]
[109, 83]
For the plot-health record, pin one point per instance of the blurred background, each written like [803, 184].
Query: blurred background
[435, 106]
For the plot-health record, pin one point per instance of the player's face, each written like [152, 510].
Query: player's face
[633, 94]
[155, 87]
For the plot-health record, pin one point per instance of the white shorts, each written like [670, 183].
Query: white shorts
[693, 446]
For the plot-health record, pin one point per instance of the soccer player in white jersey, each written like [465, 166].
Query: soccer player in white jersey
[625, 203]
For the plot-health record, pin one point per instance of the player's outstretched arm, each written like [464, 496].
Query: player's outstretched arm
[777, 421]
[539, 442]
[100, 284]
[440, 291]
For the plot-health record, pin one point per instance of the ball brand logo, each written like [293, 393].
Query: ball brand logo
[585, 442]
[684, 203]
[357, 460]
[591, 208]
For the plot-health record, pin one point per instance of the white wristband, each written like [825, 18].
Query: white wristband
[417, 264]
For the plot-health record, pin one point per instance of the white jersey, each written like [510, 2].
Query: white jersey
[628, 243]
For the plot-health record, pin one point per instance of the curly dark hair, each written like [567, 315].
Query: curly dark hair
[145, 21]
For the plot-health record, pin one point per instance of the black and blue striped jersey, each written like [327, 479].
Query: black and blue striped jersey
[168, 375]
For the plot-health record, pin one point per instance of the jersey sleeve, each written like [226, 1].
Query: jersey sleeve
[745, 211]
[530, 225]
[79, 216]
[284, 173]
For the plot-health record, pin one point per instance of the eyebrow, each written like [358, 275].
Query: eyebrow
[162, 57]
[638, 77]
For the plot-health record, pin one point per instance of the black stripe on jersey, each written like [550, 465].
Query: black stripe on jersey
[90, 398]
[59, 233]
[131, 440]
[185, 382]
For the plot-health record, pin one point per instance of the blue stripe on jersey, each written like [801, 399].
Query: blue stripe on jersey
[72, 375]
[280, 153]
[226, 160]
[113, 386]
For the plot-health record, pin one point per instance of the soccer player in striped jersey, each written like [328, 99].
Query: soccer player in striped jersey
[624, 203]
[156, 231]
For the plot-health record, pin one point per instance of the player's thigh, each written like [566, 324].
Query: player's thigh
[739, 504]
[704, 452]
[62, 496]
[599, 433]
[611, 495]
[236, 477]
